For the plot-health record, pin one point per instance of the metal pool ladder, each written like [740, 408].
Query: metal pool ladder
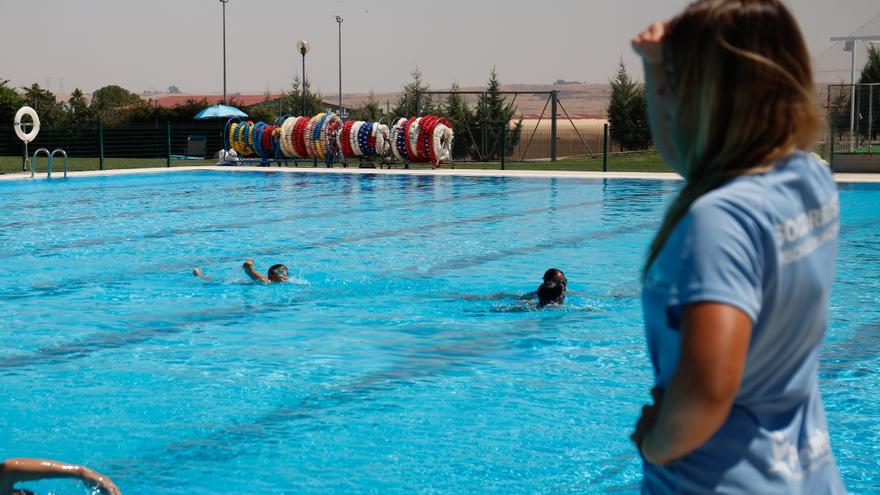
[50, 156]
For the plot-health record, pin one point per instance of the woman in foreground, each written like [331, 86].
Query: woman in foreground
[737, 280]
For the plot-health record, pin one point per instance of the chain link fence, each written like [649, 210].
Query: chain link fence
[853, 114]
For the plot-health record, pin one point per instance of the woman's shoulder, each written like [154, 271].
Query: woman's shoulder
[799, 174]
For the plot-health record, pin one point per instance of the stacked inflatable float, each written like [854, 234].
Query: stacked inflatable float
[326, 138]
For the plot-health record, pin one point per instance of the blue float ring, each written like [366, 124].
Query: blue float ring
[364, 139]
[401, 144]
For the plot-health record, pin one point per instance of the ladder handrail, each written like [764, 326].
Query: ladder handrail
[34, 161]
[64, 154]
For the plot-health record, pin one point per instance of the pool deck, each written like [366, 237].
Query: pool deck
[871, 178]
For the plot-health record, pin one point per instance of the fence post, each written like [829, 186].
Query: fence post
[553, 125]
[167, 143]
[101, 145]
[831, 152]
[605, 148]
[503, 145]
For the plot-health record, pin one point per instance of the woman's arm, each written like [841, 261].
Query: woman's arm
[715, 341]
[14, 471]
[649, 46]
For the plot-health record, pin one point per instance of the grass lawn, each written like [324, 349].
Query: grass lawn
[630, 162]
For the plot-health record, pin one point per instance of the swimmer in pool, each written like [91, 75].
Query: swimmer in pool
[276, 274]
[552, 290]
[14, 471]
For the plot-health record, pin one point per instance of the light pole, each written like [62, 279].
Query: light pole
[224, 49]
[303, 47]
[339, 21]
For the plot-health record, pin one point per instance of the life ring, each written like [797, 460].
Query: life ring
[29, 136]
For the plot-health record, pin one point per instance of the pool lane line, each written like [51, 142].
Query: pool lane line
[116, 338]
[196, 190]
[83, 282]
[469, 261]
[401, 231]
[63, 353]
[171, 189]
[233, 440]
[251, 222]
[185, 208]
[836, 358]
[159, 188]
[425, 361]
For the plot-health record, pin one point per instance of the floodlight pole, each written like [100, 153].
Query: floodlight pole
[224, 49]
[303, 51]
[339, 21]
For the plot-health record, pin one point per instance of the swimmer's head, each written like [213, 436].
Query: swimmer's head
[551, 292]
[555, 275]
[277, 273]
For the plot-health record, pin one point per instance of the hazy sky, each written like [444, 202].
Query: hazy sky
[149, 45]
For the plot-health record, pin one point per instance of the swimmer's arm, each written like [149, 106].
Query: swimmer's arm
[14, 471]
[198, 273]
[698, 400]
[256, 276]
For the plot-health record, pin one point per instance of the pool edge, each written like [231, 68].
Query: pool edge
[867, 178]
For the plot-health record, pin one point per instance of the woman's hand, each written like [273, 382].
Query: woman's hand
[649, 43]
[647, 420]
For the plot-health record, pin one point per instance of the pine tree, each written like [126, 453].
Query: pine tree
[871, 70]
[293, 100]
[413, 101]
[460, 115]
[869, 102]
[494, 113]
[627, 112]
[369, 111]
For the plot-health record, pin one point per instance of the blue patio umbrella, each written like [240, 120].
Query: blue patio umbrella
[219, 111]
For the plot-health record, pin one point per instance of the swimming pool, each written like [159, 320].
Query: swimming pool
[391, 364]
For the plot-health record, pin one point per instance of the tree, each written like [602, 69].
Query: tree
[10, 102]
[413, 101]
[627, 112]
[109, 102]
[869, 101]
[461, 116]
[292, 103]
[494, 113]
[871, 71]
[370, 110]
[78, 110]
[43, 101]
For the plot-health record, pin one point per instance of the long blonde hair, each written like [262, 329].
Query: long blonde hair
[742, 88]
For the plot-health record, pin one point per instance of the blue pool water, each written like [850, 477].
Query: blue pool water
[391, 364]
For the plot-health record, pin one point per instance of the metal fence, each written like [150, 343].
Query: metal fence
[853, 114]
[529, 144]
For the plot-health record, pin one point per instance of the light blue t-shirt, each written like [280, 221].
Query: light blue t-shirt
[764, 244]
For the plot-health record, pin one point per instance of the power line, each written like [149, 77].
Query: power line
[850, 34]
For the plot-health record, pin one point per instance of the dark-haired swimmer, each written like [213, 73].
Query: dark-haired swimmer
[552, 290]
[276, 274]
